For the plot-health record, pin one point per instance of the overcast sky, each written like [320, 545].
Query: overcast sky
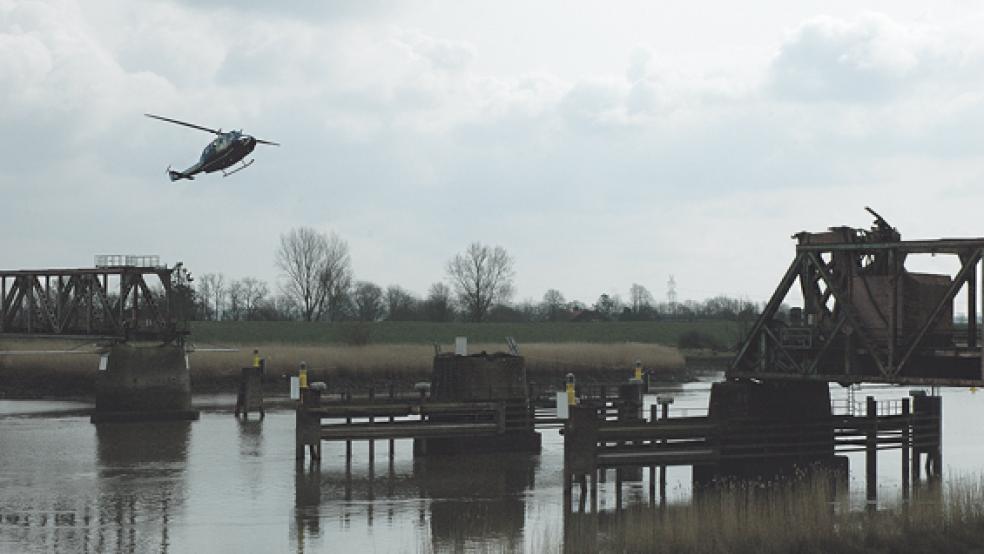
[601, 143]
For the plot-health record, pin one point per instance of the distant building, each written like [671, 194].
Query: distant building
[580, 315]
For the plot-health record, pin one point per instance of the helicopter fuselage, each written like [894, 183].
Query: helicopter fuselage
[224, 151]
[227, 149]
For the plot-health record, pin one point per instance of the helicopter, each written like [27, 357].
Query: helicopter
[224, 151]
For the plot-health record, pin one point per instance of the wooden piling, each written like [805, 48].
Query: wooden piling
[250, 394]
[871, 453]
[391, 420]
[372, 443]
[906, 447]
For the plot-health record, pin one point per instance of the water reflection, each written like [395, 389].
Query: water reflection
[464, 500]
[141, 482]
[477, 498]
[250, 438]
[66, 485]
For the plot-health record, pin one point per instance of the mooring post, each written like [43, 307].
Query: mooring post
[871, 451]
[391, 420]
[906, 447]
[348, 421]
[372, 443]
[653, 413]
[580, 448]
[307, 426]
[934, 457]
[664, 403]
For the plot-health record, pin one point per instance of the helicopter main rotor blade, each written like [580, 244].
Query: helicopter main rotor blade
[258, 141]
[186, 124]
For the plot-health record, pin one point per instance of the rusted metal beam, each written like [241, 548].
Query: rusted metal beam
[941, 246]
[955, 286]
[812, 368]
[770, 309]
[844, 303]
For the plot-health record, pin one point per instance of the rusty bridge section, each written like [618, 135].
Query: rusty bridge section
[865, 317]
[115, 300]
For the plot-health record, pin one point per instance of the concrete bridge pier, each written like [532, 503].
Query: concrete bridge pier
[143, 383]
[483, 378]
[802, 436]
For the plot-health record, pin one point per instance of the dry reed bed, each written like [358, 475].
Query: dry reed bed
[74, 370]
[417, 359]
[801, 517]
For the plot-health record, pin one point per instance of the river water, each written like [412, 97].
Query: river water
[224, 485]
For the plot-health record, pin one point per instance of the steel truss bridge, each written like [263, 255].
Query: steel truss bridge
[115, 302]
[865, 317]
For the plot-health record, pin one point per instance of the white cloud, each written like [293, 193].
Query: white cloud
[871, 58]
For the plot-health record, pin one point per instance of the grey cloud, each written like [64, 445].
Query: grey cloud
[305, 9]
[443, 54]
[869, 59]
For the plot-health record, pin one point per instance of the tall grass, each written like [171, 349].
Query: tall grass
[386, 360]
[50, 373]
[794, 517]
[720, 332]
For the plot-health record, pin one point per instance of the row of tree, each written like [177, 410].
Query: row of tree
[318, 285]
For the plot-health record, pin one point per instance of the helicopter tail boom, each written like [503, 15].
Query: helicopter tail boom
[176, 175]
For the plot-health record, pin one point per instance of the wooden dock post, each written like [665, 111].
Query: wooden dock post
[653, 413]
[307, 427]
[348, 420]
[580, 439]
[664, 403]
[250, 394]
[906, 447]
[372, 443]
[391, 420]
[871, 453]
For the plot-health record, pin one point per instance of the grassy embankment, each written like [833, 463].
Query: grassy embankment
[394, 350]
[801, 517]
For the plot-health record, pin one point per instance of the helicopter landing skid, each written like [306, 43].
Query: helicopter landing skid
[238, 169]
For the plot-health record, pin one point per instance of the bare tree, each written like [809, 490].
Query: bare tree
[367, 299]
[318, 271]
[640, 298]
[236, 310]
[400, 304]
[553, 305]
[218, 294]
[204, 295]
[254, 291]
[608, 305]
[211, 291]
[481, 277]
[438, 306]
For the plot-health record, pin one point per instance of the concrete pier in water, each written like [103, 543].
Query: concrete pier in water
[144, 383]
[483, 378]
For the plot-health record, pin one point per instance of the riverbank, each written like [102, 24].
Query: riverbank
[67, 370]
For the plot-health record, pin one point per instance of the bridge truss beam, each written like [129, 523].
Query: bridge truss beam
[865, 317]
[121, 303]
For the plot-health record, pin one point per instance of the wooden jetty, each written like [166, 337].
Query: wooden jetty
[473, 404]
[594, 443]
